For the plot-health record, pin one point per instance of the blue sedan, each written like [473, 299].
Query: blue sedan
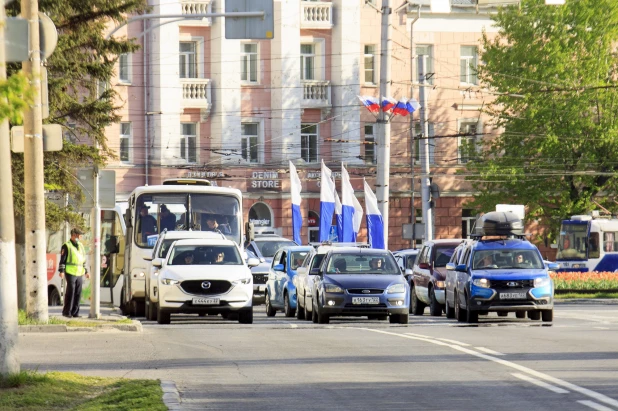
[280, 289]
[360, 282]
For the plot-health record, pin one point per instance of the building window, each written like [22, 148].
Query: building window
[261, 215]
[124, 68]
[370, 147]
[249, 142]
[125, 142]
[248, 63]
[309, 142]
[370, 64]
[188, 142]
[425, 52]
[307, 62]
[188, 59]
[468, 141]
[468, 63]
[419, 144]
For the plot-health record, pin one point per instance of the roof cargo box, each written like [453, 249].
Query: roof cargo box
[499, 223]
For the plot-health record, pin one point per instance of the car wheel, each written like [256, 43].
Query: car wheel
[534, 315]
[547, 316]
[520, 314]
[322, 318]
[300, 311]
[123, 305]
[163, 317]
[503, 313]
[270, 311]
[148, 309]
[246, 317]
[471, 316]
[435, 308]
[460, 313]
[202, 314]
[418, 308]
[448, 310]
[402, 318]
[306, 310]
[314, 314]
[53, 298]
[287, 308]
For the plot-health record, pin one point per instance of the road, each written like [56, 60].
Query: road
[356, 364]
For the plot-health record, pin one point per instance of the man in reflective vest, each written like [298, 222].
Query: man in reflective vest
[73, 264]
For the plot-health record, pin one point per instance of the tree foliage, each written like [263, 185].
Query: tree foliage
[78, 72]
[557, 148]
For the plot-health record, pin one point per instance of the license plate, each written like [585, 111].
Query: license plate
[365, 300]
[512, 296]
[205, 301]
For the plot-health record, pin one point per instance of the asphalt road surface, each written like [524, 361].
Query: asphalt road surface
[355, 364]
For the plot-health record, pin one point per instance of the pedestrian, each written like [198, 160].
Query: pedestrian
[73, 266]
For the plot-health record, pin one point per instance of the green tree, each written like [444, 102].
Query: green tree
[78, 72]
[557, 152]
[15, 94]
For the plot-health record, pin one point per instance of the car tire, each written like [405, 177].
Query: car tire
[401, 318]
[300, 311]
[322, 318]
[148, 309]
[287, 308]
[246, 316]
[53, 298]
[270, 311]
[435, 308]
[472, 317]
[547, 315]
[520, 314]
[202, 314]
[123, 304]
[163, 317]
[503, 313]
[460, 313]
[306, 310]
[418, 308]
[534, 315]
[448, 310]
[314, 315]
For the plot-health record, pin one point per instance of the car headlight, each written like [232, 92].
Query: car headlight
[169, 281]
[242, 281]
[541, 282]
[481, 282]
[439, 284]
[396, 289]
[332, 288]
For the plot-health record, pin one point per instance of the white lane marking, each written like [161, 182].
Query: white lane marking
[585, 391]
[419, 335]
[594, 405]
[294, 325]
[454, 342]
[488, 351]
[602, 328]
[540, 383]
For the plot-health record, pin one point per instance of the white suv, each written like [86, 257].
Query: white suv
[207, 276]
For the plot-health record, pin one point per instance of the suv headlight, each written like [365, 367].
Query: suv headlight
[481, 282]
[169, 281]
[242, 281]
[542, 282]
[396, 289]
[332, 288]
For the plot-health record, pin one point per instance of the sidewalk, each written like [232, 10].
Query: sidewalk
[110, 319]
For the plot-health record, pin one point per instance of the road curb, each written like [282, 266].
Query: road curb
[589, 301]
[135, 326]
[51, 328]
[171, 396]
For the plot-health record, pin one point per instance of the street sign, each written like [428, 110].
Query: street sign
[107, 187]
[18, 32]
[52, 138]
[242, 28]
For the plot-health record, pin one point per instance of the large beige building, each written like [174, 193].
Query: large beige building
[197, 104]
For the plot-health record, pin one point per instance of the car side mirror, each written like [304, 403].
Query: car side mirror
[157, 262]
[450, 266]
[461, 267]
[553, 266]
[424, 266]
[315, 271]
[279, 267]
[253, 262]
[409, 271]
[148, 258]
[301, 270]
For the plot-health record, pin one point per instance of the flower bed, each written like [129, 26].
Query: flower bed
[591, 281]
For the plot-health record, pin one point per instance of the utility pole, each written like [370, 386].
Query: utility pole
[95, 276]
[425, 185]
[36, 270]
[412, 128]
[384, 126]
[9, 363]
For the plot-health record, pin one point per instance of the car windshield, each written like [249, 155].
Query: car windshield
[362, 264]
[204, 255]
[443, 255]
[501, 259]
[268, 248]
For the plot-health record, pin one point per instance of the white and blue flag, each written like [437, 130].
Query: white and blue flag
[375, 224]
[358, 216]
[347, 207]
[295, 188]
[327, 202]
[338, 217]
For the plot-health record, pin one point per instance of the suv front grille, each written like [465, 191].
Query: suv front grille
[360, 291]
[512, 284]
[260, 278]
[216, 287]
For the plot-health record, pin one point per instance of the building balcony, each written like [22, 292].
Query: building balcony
[196, 93]
[316, 94]
[191, 7]
[316, 15]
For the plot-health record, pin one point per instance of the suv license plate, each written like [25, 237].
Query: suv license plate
[365, 300]
[512, 296]
[205, 301]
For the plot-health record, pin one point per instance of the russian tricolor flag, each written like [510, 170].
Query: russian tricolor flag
[327, 202]
[295, 188]
[372, 103]
[347, 206]
[375, 224]
[388, 103]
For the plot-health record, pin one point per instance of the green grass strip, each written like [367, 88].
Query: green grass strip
[23, 319]
[599, 294]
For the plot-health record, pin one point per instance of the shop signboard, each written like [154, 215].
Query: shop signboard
[263, 181]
